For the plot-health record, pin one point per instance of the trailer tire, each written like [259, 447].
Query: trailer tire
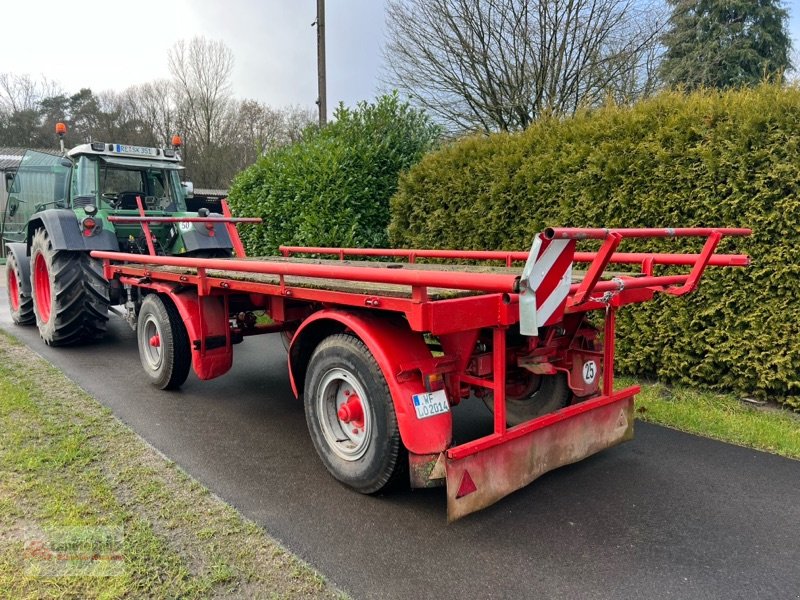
[546, 394]
[350, 415]
[163, 343]
[70, 294]
[21, 305]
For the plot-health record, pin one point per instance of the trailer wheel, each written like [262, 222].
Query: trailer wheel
[163, 343]
[70, 294]
[350, 415]
[21, 306]
[532, 396]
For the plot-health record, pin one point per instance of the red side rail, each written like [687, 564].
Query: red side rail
[576, 233]
[511, 257]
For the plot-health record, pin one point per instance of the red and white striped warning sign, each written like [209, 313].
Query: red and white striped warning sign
[545, 283]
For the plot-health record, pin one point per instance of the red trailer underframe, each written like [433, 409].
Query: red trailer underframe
[390, 306]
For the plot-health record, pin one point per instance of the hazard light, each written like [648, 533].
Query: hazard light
[61, 129]
[177, 142]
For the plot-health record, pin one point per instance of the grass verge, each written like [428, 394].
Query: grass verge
[719, 416]
[67, 465]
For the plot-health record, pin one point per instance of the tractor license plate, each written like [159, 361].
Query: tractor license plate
[430, 404]
[140, 150]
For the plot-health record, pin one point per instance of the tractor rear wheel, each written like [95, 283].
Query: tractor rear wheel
[21, 305]
[163, 343]
[70, 294]
[350, 415]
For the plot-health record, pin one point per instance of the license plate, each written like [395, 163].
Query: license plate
[430, 404]
[141, 150]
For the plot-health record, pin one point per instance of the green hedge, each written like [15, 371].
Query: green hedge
[333, 187]
[708, 159]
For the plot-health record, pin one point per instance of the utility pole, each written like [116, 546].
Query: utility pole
[321, 99]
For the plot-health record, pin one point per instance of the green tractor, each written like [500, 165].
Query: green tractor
[57, 212]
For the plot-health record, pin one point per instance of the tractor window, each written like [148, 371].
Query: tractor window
[117, 181]
[158, 185]
[158, 188]
[84, 179]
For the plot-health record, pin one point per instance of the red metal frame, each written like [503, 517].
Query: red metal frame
[227, 219]
[511, 257]
[492, 305]
[573, 233]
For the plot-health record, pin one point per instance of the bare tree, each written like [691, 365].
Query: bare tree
[19, 93]
[222, 135]
[500, 64]
[202, 73]
[151, 107]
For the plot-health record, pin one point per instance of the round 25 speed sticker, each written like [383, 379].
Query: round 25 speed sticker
[589, 371]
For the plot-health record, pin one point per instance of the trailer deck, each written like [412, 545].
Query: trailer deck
[387, 348]
[365, 287]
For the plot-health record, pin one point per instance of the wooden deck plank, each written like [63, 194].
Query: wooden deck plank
[359, 287]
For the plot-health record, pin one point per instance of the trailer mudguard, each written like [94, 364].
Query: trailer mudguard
[65, 233]
[20, 252]
[403, 358]
[206, 321]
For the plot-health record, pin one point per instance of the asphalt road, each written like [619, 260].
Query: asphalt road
[668, 515]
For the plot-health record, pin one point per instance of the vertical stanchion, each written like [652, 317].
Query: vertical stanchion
[499, 356]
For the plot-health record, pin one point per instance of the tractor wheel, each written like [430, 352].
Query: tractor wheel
[70, 294]
[351, 417]
[21, 305]
[532, 396]
[163, 343]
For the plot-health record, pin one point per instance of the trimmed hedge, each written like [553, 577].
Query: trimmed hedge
[707, 159]
[333, 187]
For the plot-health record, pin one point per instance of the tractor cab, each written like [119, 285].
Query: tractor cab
[97, 180]
[97, 196]
[113, 176]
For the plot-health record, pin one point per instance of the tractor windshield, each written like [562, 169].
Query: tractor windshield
[40, 183]
[116, 183]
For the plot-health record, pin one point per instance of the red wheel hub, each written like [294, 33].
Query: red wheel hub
[13, 289]
[352, 411]
[155, 341]
[41, 278]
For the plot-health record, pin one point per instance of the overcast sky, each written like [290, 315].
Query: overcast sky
[107, 44]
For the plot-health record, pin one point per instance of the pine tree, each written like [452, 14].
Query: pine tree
[725, 43]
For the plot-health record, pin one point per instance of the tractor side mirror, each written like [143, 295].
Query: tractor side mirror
[188, 189]
[9, 181]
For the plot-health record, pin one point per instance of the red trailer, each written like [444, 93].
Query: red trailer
[382, 351]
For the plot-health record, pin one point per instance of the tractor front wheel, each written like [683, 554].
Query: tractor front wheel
[70, 294]
[163, 343]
